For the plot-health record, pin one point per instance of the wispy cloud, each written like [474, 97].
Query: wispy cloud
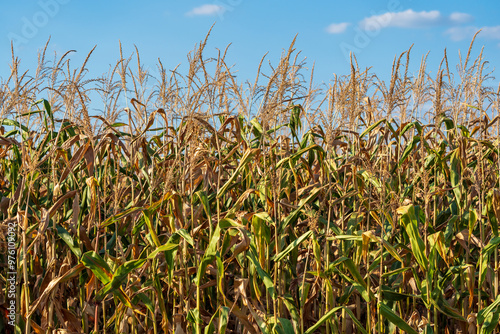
[405, 19]
[337, 28]
[206, 10]
[461, 33]
[461, 17]
[412, 19]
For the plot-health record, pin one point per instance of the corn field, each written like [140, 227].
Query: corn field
[198, 204]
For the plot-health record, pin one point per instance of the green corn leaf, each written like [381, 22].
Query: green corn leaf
[119, 216]
[442, 305]
[68, 239]
[211, 251]
[209, 255]
[410, 223]
[409, 148]
[371, 127]
[264, 276]
[294, 314]
[492, 245]
[322, 320]
[223, 319]
[48, 110]
[358, 282]
[395, 272]
[119, 277]
[204, 201]
[329, 314]
[455, 173]
[10, 122]
[491, 321]
[185, 234]
[292, 246]
[147, 214]
[286, 326]
[389, 314]
[245, 160]
[145, 300]
[98, 266]
[169, 246]
[483, 314]
[297, 154]
[294, 215]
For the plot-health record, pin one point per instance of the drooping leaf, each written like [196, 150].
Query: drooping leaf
[389, 314]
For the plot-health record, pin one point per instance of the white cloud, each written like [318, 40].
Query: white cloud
[406, 19]
[461, 33]
[490, 32]
[337, 28]
[206, 10]
[412, 19]
[460, 17]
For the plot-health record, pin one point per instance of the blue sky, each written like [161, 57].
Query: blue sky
[376, 31]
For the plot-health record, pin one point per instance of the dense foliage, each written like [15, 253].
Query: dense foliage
[340, 213]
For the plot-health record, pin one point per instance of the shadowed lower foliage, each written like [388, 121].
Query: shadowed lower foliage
[204, 206]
